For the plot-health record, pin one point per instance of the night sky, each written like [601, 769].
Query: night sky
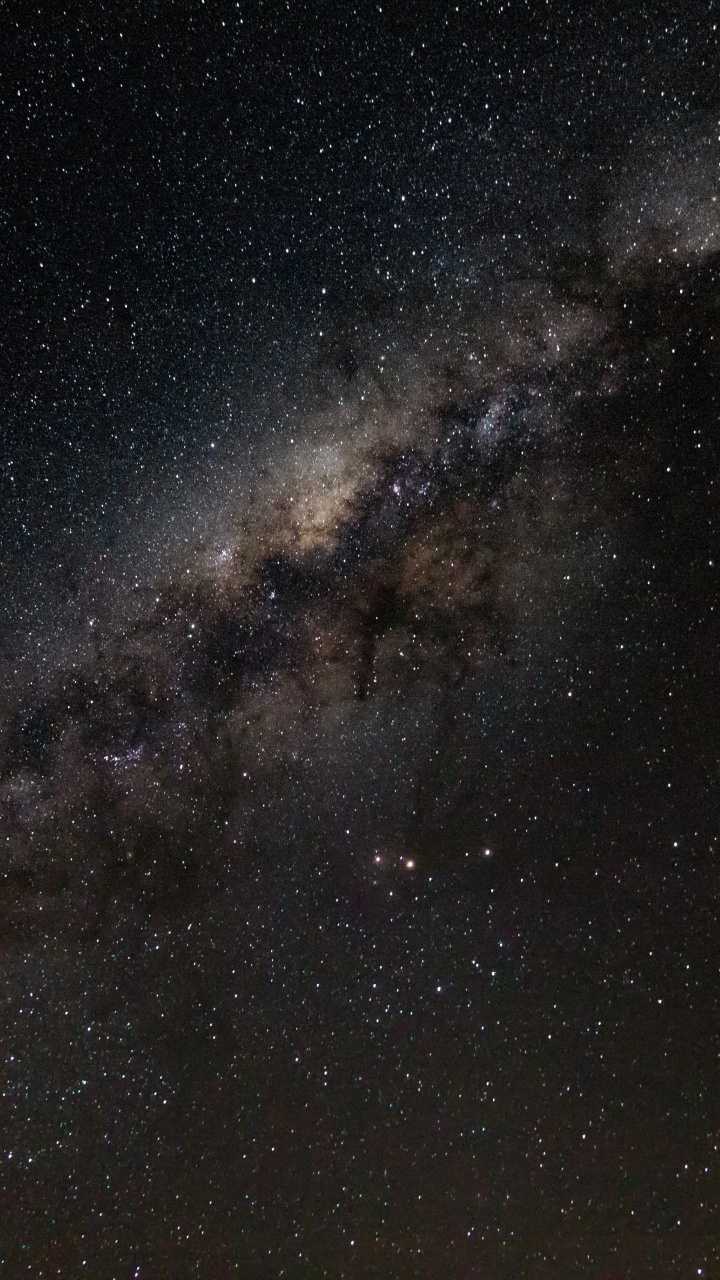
[360, 640]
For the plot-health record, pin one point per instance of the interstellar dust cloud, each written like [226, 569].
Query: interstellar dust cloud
[360, 623]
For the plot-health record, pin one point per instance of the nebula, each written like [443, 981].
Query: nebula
[359, 679]
[431, 544]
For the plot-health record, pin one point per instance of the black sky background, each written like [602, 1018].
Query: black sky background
[359, 720]
[159, 159]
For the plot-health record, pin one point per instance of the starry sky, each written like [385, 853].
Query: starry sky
[360, 640]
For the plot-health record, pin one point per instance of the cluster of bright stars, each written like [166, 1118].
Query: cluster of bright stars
[410, 864]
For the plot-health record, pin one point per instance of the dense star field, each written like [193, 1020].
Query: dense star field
[360, 643]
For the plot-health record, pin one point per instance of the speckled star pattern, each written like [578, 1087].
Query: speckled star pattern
[360, 641]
